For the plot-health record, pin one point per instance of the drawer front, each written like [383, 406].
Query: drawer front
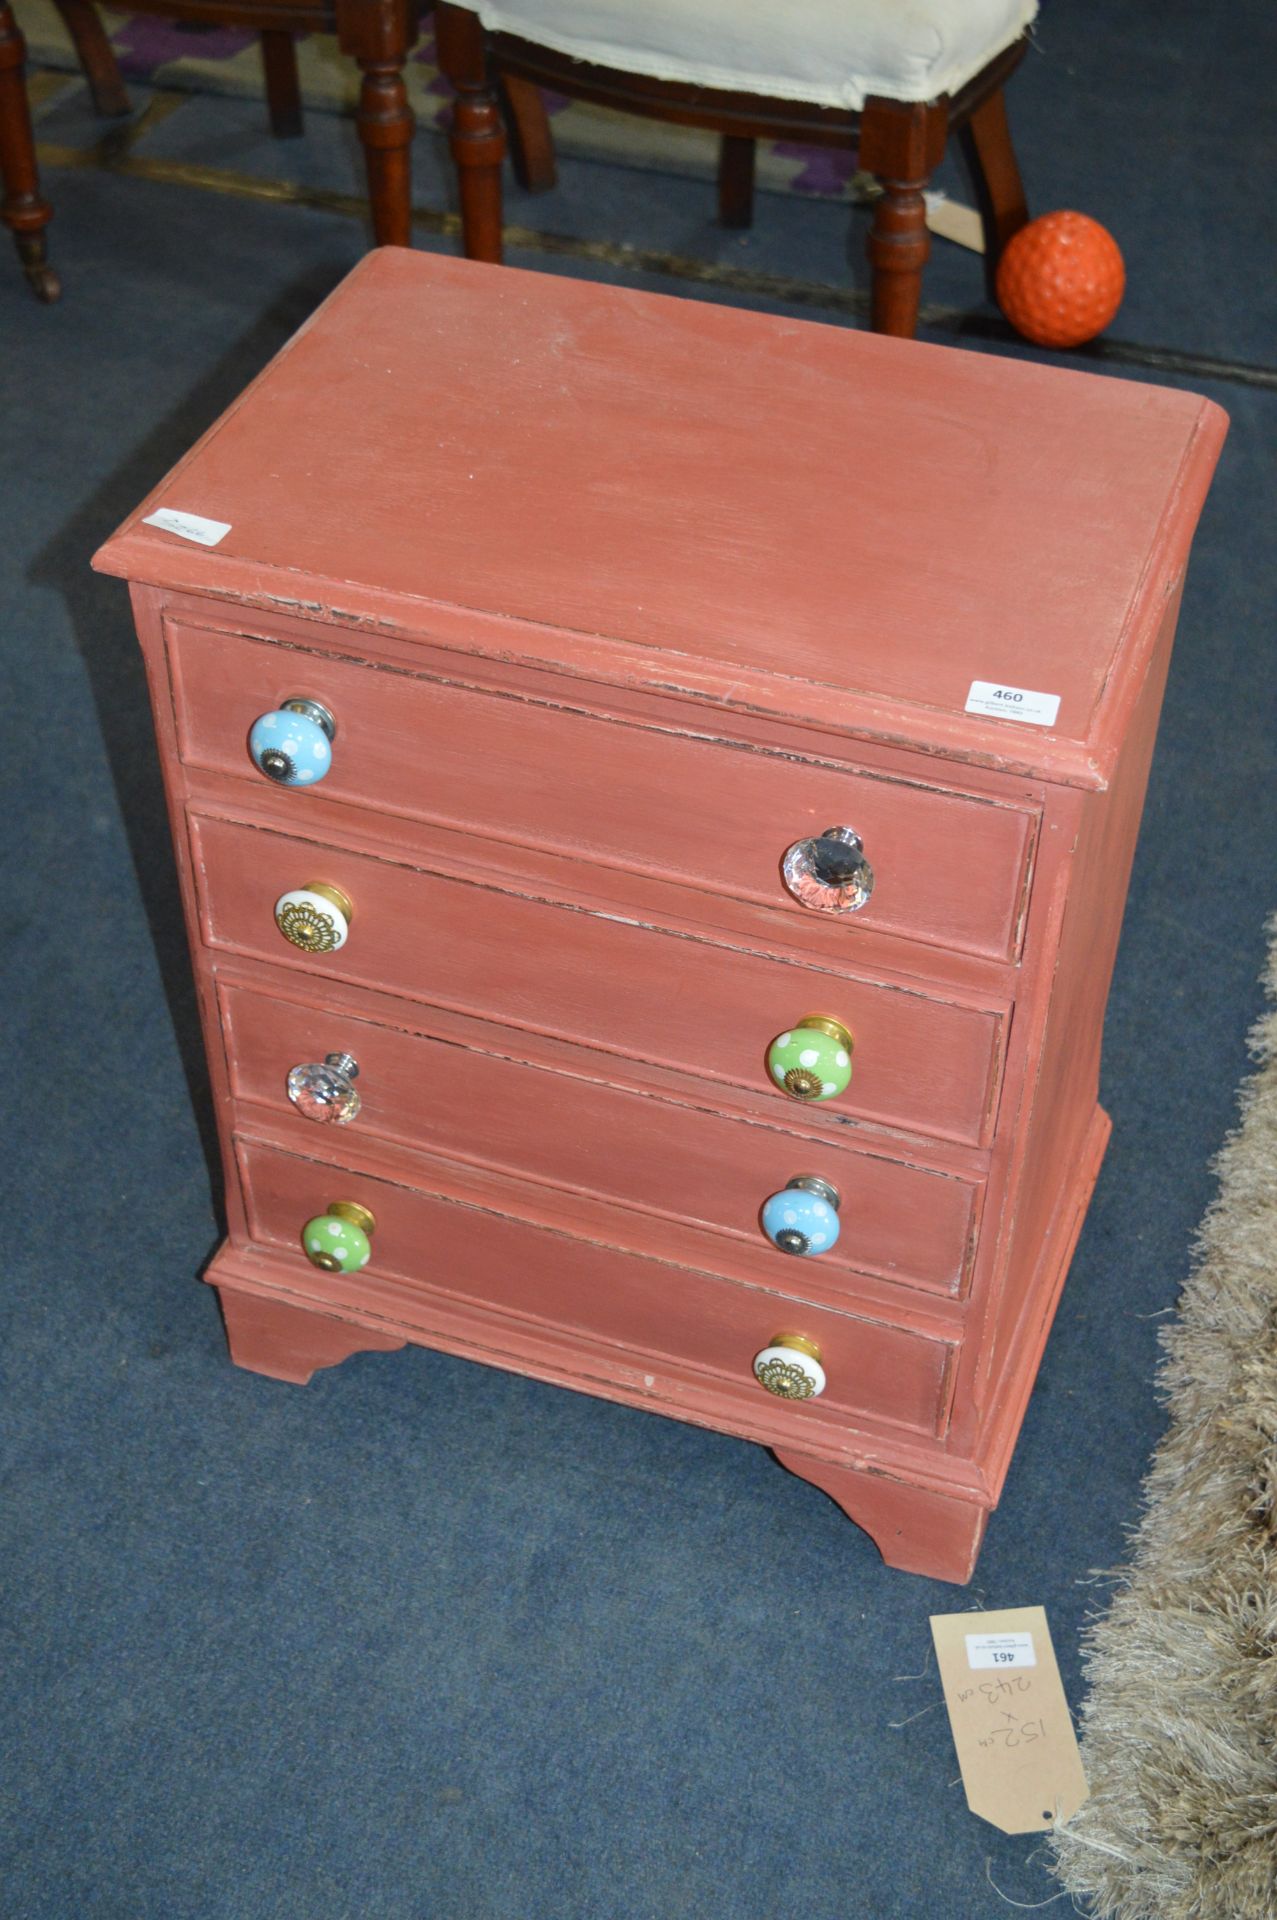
[700, 1321]
[949, 869]
[898, 1222]
[705, 1010]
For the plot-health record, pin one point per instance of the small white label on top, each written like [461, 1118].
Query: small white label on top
[1000, 1650]
[1013, 703]
[189, 526]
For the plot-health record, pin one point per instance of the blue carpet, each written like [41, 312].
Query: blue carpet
[425, 1641]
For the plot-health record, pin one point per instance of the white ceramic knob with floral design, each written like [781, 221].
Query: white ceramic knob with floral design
[790, 1367]
[315, 918]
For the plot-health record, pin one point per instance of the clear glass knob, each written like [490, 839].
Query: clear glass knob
[323, 1089]
[829, 873]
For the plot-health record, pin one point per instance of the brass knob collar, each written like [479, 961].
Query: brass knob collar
[825, 1023]
[334, 896]
[354, 1214]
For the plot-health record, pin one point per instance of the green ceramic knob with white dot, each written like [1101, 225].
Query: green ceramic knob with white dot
[338, 1241]
[812, 1059]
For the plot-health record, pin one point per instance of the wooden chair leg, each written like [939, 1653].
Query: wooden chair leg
[283, 86]
[378, 35]
[96, 56]
[736, 180]
[901, 144]
[22, 209]
[995, 175]
[478, 141]
[531, 142]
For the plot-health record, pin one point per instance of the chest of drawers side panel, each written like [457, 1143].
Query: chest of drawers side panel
[148, 616]
[1063, 1129]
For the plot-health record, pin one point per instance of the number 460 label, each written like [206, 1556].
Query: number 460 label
[1013, 703]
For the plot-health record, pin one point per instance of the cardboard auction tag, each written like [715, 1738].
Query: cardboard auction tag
[1019, 1757]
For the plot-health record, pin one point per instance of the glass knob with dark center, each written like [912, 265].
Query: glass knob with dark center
[829, 872]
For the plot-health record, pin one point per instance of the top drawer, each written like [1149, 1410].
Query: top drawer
[950, 869]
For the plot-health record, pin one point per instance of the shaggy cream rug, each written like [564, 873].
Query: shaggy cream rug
[1179, 1733]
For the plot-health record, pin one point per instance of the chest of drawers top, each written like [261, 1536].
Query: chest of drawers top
[796, 524]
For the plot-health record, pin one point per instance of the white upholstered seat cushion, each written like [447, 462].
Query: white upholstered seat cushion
[830, 52]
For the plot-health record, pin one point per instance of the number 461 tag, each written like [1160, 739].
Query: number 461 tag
[1000, 1650]
[1010, 1720]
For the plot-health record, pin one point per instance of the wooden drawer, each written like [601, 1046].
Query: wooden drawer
[899, 1222]
[950, 869]
[702, 1008]
[700, 1321]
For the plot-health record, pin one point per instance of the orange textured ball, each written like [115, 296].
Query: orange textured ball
[1061, 279]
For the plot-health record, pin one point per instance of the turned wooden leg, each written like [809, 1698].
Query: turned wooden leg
[22, 209]
[901, 143]
[531, 142]
[291, 1343]
[385, 127]
[995, 174]
[96, 56]
[378, 35]
[736, 180]
[283, 87]
[919, 1532]
[478, 141]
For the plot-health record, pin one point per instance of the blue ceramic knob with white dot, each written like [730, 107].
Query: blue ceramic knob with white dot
[293, 744]
[804, 1217]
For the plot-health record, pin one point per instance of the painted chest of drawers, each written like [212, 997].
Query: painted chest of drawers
[630, 952]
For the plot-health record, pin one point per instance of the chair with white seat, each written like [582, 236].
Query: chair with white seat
[892, 79]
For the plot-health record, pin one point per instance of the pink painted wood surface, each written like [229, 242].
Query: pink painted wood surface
[718, 816]
[709, 1010]
[1062, 1135]
[703, 1321]
[701, 569]
[901, 1222]
[289, 1342]
[913, 1528]
[665, 1239]
[593, 1365]
[805, 517]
